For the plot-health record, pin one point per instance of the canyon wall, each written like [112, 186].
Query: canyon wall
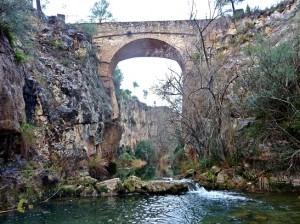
[142, 122]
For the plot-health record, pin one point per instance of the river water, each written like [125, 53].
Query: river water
[196, 206]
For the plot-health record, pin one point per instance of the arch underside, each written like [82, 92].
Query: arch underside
[146, 47]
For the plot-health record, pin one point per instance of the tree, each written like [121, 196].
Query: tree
[222, 3]
[135, 84]
[13, 16]
[99, 12]
[117, 79]
[39, 7]
[203, 93]
[145, 92]
[144, 150]
[248, 10]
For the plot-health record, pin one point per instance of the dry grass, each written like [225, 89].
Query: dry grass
[98, 167]
[138, 163]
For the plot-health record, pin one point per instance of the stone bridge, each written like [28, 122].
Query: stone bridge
[117, 41]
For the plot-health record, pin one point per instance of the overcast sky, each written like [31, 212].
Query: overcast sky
[141, 70]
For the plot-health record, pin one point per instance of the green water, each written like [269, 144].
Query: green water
[199, 206]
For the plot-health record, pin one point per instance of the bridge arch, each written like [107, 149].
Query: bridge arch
[118, 41]
[146, 47]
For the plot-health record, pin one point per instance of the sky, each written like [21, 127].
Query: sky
[142, 70]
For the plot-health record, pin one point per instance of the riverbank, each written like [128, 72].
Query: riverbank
[246, 180]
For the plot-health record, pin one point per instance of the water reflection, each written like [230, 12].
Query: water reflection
[198, 206]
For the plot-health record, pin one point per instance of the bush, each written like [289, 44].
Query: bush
[273, 85]
[27, 133]
[98, 167]
[126, 156]
[144, 150]
[20, 56]
[14, 16]
[178, 158]
[88, 28]
[138, 164]
[117, 79]
[146, 173]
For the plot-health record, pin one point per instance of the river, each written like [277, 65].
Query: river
[196, 206]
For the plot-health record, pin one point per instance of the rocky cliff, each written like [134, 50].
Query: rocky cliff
[153, 124]
[142, 122]
[54, 111]
[12, 106]
[64, 96]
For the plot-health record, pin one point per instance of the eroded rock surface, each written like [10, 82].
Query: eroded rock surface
[135, 185]
[12, 106]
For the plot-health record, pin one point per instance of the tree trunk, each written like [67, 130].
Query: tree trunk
[233, 7]
[39, 8]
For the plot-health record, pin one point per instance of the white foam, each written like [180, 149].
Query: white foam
[202, 192]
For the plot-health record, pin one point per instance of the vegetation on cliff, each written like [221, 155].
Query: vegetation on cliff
[248, 120]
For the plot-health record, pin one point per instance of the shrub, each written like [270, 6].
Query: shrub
[138, 163]
[178, 158]
[56, 44]
[27, 133]
[144, 150]
[88, 28]
[126, 156]
[129, 165]
[117, 79]
[20, 56]
[14, 16]
[146, 173]
[273, 85]
[98, 167]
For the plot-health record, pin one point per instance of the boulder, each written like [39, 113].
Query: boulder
[87, 180]
[215, 169]
[69, 190]
[135, 184]
[89, 191]
[109, 187]
[165, 187]
[189, 173]
[222, 177]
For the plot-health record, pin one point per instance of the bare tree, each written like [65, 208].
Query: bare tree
[199, 100]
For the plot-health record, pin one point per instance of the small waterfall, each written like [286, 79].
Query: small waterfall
[195, 188]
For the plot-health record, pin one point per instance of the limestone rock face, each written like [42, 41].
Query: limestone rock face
[142, 122]
[12, 105]
[66, 100]
[11, 90]
[58, 90]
